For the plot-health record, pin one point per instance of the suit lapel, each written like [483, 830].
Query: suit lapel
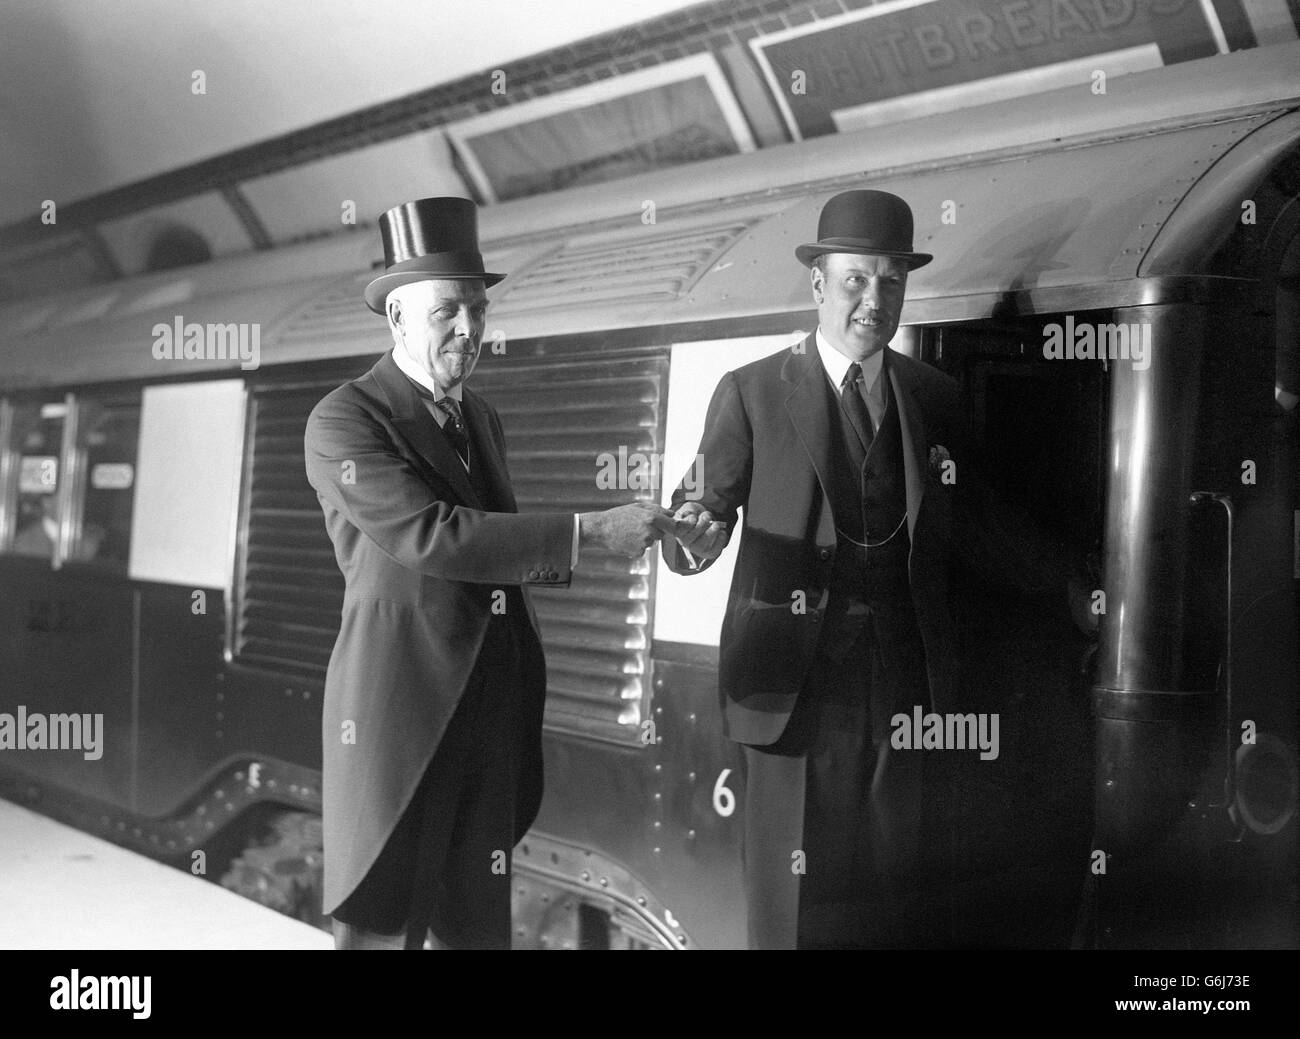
[911, 423]
[806, 405]
[415, 423]
[484, 459]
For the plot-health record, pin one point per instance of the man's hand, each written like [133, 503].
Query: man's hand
[698, 532]
[627, 529]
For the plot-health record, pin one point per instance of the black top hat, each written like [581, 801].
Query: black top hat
[869, 222]
[428, 238]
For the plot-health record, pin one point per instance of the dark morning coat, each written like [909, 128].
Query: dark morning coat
[421, 560]
[766, 449]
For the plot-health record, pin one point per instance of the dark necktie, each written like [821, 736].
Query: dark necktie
[455, 427]
[855, 405]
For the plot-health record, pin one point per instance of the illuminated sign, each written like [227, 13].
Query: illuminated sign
[112, 476]
[912, 57]
[38, 474]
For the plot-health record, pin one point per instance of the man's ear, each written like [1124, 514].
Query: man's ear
[394, 311]
[818, 282]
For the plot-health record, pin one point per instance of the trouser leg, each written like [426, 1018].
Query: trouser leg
[350, 937]
[773, 847]
[443, 877]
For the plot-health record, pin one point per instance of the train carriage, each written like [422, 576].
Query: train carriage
[165, 564]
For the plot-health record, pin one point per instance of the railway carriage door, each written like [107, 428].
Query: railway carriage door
[66, 613]
[32, 465]
[103, 490]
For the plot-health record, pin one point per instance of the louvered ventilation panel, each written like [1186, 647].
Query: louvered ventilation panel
[559, 416]
[291, 591]
[338, 314]
[645, 267]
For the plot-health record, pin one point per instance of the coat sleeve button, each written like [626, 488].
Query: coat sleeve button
[532, 575]
[825, 553]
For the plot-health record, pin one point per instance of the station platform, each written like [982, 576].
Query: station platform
[64, 889]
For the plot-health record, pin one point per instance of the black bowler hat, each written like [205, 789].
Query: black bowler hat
[428, 238]
[868, 222]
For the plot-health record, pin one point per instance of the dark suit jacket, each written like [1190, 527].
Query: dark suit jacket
[421, 560]
[767, 450]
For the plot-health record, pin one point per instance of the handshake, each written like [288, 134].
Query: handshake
[631, 529]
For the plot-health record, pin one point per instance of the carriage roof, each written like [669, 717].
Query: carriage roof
[1067, 200]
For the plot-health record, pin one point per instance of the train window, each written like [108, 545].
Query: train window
[35, 450]
[107, 435]
[84, 494]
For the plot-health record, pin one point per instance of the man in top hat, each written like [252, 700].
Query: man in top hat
[432, 764]
[837, 618]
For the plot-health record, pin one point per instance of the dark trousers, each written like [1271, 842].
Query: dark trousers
[446, 865]
[844, 841]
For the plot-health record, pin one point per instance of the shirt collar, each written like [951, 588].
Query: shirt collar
[418, 375]
[836, 364]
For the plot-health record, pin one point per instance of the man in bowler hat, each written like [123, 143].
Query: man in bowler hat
[838, 616]
[432, 765]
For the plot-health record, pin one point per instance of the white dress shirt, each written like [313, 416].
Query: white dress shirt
[836, 364]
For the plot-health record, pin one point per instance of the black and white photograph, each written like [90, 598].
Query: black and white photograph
[743, 475]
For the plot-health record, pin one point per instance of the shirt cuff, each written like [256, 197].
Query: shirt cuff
[573, 554]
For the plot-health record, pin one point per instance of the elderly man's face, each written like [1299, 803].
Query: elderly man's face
[440, 326]
[859, 300]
